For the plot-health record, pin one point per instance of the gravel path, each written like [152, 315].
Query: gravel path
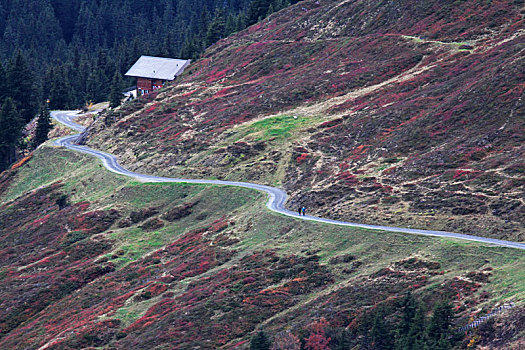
[277, 197]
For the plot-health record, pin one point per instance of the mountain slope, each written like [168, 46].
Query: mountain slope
[384, 112]
[92, 259]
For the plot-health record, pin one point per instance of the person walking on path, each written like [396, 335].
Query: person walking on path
[303, 211]
[300, 210]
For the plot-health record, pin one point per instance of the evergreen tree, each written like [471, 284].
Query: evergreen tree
[115, 97]
[340, 338]
[64, 10]
[270, 10]
[60, 90]
[43, 127]
[260, 341]
[242, 21]
[409, 307]
[3, 16]
[20, 87]
[82, 38]
[441, 320]
[191, 48]
[417, 336]
[216, 28]
[202, 22]
[258, 10]
[96, 91]
[11, 123]
[3, 83]
[231, 25]
[278, 5]
[439, 327]
[379, 334]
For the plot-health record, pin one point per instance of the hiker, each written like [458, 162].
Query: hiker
[303, 211]
[300, 210]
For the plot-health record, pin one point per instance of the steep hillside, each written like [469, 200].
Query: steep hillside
[90, 259]
[396, 112]
[389, 112]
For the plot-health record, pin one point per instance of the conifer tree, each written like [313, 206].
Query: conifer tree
[417, 336]
[242, 21]
[95, 86]
[439, 327]
[202, 22]
[270, 10]
[115, 97]
[260, 341]
[231, 25]
[86, 39]
[3, 16]
[409, 308]
[43, 127]
[379, 333]
[258, 10]
[20, 87]
[3, 84]
[60, 89]
[11, 123]
[278, 5]
[216, 28]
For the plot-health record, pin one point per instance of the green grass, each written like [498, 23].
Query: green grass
[280, 126]
[257, 228]
[277, 126]
[142, 195]
[272, 128]
[129, 314]
[377, 249]
[214, 202]
[508, 282]
[454, 44]
[83, 177]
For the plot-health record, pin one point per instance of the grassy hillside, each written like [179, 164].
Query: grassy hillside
[93, 259]
[379, 112]
[400, 113]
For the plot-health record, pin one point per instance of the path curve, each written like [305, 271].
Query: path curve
[277, 197]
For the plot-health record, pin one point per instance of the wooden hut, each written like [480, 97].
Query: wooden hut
[153, 72]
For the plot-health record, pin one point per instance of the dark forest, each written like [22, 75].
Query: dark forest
[69, 51]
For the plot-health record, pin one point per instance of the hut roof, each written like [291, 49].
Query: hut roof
[157, 68]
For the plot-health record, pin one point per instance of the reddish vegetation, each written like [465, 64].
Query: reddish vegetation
[44, 254]
[456, 120]
[21, 162]
[446, 140]
[52, 259]
[73, 319]
[302, 157]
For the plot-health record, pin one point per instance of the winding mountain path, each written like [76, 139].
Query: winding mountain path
[277, 197]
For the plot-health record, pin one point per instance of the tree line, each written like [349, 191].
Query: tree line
[406, 325]
[18, 106]
[74, 47]
[72, 52]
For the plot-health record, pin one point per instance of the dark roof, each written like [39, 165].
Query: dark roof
[157, 68]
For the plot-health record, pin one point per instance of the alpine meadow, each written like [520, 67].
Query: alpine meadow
[262, 174]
